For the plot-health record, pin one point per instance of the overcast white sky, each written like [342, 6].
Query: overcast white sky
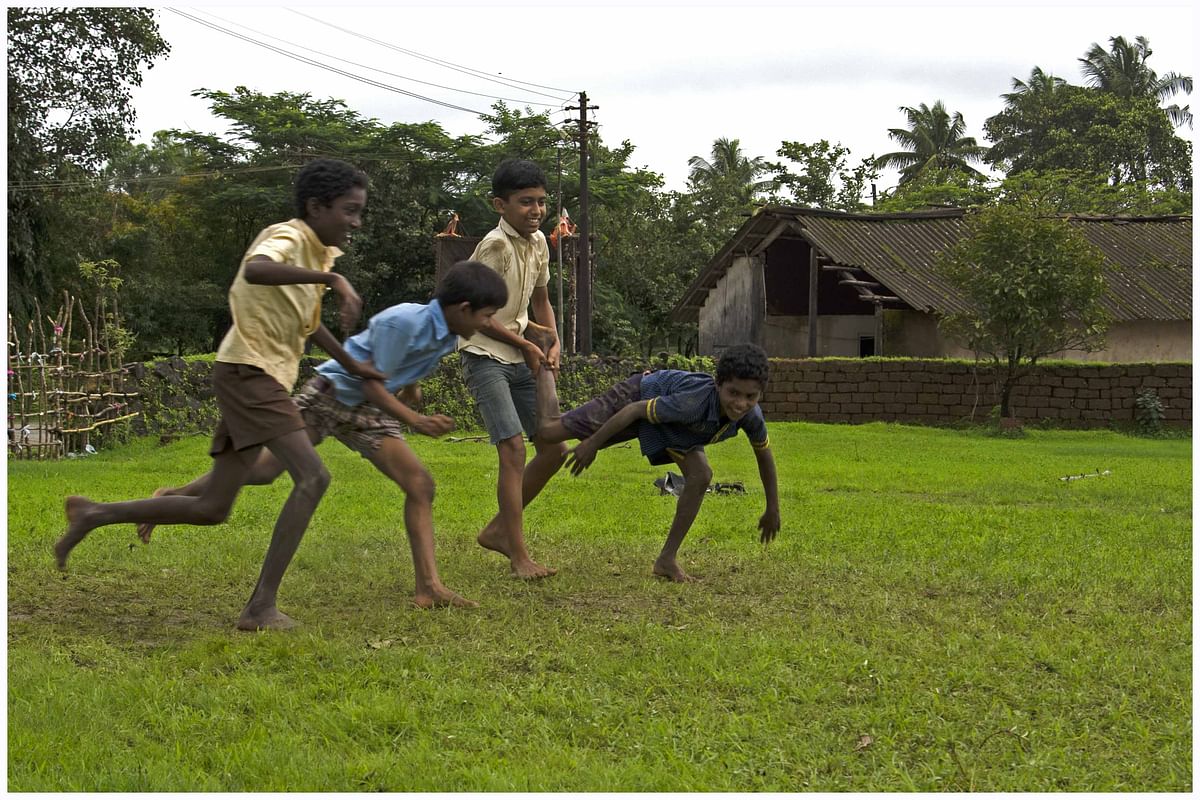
[670, 77]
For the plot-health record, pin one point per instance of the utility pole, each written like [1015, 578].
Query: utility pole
[583, 287]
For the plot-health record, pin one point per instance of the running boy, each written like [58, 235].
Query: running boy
[512, 361]
[275, 301]
[405, 343]
[673, 414]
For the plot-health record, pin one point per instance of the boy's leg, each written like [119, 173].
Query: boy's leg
[697, 475]
[265, 470]
[491, 384]
[210, 507]
[395, 459]
[310, 479]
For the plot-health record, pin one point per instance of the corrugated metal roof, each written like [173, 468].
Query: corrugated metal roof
[1149, 269]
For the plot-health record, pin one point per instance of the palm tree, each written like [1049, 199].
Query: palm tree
[1122, 70]
[1041, 84]
[729, 169]
[934, 140]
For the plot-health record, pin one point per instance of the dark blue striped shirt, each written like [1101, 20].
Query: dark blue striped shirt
[684, 413]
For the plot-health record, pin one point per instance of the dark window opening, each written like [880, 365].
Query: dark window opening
[866, 346]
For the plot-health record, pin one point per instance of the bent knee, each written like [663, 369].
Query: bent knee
[212, 512]
[314, 482]
[420, 486]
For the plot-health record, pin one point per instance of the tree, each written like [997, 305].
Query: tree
[70, 73]
[934, 140]
[722, 191]
[1033, 285]
[1121, 70]
[1128, 139]
[823, 180]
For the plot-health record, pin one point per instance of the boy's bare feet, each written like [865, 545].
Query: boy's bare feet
[270, 620]
[77, 527]
[520, 564]
[144, 529]
[438, 596]
[671, 570]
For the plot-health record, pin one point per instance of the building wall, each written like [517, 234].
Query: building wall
[837, 335]
[915, 334]
[730, 310]
[944, 392]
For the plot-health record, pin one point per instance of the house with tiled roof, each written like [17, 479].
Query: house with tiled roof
[869, 282]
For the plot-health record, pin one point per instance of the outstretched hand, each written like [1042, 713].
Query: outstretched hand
[580, 457]
[768, 523]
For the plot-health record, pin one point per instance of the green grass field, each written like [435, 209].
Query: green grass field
[940, 612]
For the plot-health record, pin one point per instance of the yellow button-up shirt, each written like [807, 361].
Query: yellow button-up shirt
[271, 323]
[524, 264]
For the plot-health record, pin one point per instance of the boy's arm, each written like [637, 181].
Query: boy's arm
[530, 351]
[581, 456]
[327, 342]
[261, 270]
[769, 522]
[377, 395]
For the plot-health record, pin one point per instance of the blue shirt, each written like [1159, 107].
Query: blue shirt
[684, 413]
[404, 342]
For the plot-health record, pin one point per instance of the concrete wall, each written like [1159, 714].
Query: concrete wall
[942, 392]
[837, 335]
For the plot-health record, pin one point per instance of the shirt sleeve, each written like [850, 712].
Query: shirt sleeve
[493, 252]
[389, 343]
[682, 407]
[282, 246]
[756, 429]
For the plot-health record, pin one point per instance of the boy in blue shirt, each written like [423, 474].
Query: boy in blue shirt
[673, 414]
[405, 344]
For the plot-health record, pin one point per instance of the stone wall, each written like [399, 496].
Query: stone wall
[934, 392]
[175, 396]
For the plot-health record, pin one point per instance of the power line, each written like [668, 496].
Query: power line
[327, 67]
[512, 83]
[376, 69]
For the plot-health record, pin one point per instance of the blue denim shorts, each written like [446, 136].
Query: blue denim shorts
[506, 395]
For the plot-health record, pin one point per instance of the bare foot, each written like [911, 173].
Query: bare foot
[520, 564]
[439, 596]
[672, 572]
[270, 620]
[77, 527]
[144, 529]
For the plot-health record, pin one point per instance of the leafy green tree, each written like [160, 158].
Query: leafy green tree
[938, 188]
[823, 179]
[1128, 139]
[1033, 285]
[70, 73]
[933, 140]
[1067, 191]
[1121, 70]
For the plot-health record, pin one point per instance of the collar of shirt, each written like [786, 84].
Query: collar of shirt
[512, 232]
[441, 328]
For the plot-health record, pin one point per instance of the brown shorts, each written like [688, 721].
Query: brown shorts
[254, 410]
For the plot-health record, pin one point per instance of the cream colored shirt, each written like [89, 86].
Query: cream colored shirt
[271, 323]
[524, 264]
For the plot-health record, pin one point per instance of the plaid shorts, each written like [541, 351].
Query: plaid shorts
[361, 428]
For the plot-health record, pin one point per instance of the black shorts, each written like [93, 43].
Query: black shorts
[582, 422]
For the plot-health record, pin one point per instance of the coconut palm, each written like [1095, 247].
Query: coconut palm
[1122, 70]
[934, 140]
[729, 169]
[1041, 84]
